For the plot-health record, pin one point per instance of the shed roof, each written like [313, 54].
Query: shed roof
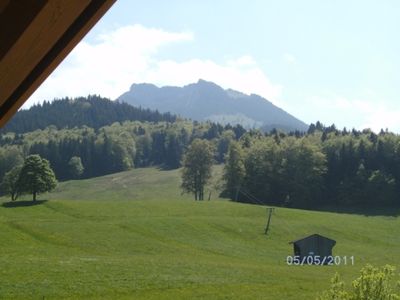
[312, 236]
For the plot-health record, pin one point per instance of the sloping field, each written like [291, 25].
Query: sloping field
[127, 248]
[137, 184]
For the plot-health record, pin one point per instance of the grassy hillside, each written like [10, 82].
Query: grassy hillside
[150, 248]
[137, 184]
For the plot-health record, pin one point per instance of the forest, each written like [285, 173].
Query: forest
[149, 138]
[323, 167]
[92, 111]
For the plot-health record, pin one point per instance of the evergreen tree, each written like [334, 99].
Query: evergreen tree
[173, 149]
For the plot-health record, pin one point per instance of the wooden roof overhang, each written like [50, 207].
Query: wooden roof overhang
[35, 36]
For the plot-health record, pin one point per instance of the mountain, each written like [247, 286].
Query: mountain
[207, 101]
[93, 111]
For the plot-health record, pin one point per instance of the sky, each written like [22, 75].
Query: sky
[333, 61]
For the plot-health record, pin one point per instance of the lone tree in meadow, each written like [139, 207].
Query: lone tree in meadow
[197, 164]
[36, 176]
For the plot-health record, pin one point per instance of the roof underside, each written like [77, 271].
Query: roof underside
[35, 36]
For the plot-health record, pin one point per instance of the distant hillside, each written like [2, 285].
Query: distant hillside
[136, 184]
[207, 101]
[93, 111]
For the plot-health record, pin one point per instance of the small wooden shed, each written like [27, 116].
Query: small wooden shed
[313, 245]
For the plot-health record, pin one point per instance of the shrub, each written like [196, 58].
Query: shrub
[373, 284]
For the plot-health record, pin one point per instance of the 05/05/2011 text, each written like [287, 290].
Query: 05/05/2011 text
[320, 260]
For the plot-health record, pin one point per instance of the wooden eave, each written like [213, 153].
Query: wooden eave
[35, 36]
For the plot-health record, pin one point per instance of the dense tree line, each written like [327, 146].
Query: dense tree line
[322, 167]
[86, 152]
[92, 111]
[325, 167]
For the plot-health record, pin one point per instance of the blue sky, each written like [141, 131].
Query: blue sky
[334, 61]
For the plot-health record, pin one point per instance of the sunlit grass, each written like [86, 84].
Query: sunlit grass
[131, 248]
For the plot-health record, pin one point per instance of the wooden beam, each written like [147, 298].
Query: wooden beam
[50, 23]
[54, 31]
[3, 5]
[20, 14]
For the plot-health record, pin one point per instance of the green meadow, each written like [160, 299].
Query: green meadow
[132, 235]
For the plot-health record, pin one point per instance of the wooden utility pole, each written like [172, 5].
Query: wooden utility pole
[269, 211]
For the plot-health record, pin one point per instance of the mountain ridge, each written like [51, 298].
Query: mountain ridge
[206, 100]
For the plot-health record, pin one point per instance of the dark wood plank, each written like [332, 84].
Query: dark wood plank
[15, 17]
[48, 39]
[50, 23]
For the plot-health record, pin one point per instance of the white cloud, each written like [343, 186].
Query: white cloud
[244, 61]
[109, 66]
[357, 113]
[289, 58]
[129, 54]
[379, 116]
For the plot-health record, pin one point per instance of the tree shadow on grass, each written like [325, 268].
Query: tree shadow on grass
[13, 204]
